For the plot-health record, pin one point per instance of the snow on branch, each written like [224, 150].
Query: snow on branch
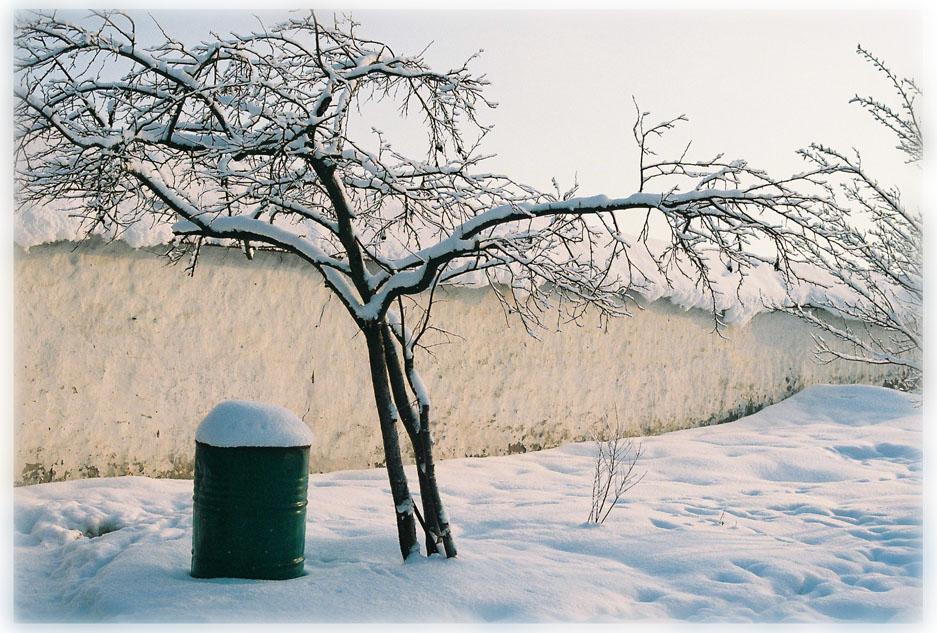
[875, 248]
[246, 137]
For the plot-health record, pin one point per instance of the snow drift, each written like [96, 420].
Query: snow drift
[809, 510]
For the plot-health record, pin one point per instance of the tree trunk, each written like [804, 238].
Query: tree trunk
[435, 518]
[403, 503]
[410, 421]
[442, 520]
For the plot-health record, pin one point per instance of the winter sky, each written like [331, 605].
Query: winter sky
[755, 84]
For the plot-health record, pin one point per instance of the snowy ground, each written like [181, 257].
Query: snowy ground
[809, 510]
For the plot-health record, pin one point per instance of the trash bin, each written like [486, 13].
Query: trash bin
[249, 503]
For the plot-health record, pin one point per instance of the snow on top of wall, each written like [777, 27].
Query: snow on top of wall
[236, 423]
[34, 225]
[734, 299]
[735, 296]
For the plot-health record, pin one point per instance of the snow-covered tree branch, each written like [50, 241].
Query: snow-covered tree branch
[257, 138]
[876, 250]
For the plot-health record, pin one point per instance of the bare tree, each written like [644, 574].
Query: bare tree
[613, 474]
[875, 250]
[258, 139]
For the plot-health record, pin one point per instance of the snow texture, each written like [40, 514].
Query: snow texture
[244, 423]
[119, 358]
[810, 510]
[737, 300]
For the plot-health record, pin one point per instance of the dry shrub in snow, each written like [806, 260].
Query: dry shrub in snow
[614, 473]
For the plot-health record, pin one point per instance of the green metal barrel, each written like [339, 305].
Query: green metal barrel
[249, 511]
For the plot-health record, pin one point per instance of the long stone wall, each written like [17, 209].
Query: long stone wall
[119, 355]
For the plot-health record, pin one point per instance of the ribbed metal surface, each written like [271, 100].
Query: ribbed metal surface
[249, 512]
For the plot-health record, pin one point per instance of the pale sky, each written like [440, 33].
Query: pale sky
[756, 85]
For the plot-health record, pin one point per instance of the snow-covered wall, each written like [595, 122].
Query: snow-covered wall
[118, 357]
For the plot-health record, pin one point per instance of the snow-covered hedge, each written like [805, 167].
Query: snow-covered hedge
[118, 358]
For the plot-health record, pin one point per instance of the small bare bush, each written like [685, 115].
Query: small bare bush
[614, 473]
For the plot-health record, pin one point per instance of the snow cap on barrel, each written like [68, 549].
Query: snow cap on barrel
[235, 423]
